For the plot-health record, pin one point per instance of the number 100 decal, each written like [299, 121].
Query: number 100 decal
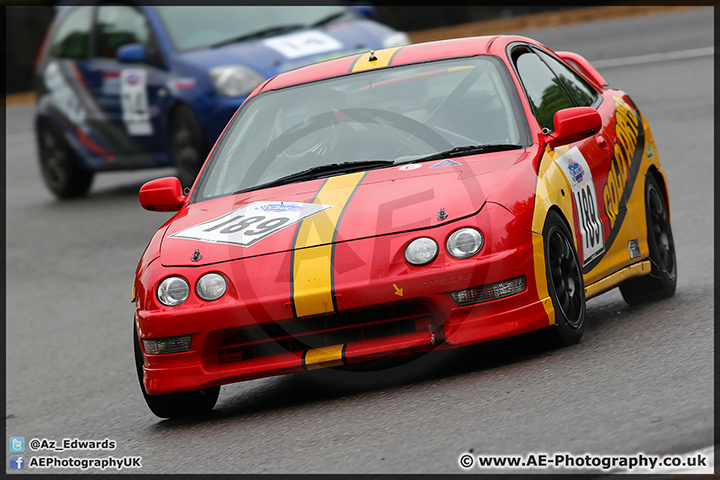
[577, 171]
[251, 223]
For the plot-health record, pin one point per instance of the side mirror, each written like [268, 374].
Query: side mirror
[573, 124]
[364, 11]
[131, 53]
[162, 195]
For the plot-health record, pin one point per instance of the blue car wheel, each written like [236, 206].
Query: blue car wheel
[60, 171]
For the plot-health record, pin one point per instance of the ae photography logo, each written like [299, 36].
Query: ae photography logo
[24, 462]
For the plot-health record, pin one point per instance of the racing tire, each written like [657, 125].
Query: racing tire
[60, 171]
[565, 282]
[661, 281]
[174, 405]
[187, 144]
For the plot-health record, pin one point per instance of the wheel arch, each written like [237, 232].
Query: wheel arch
[659, 176]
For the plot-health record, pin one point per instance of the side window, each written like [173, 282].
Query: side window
[118, 25]
[71, 39]
[583, 94]
[545, 92]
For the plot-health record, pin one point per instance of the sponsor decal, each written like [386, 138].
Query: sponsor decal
[446, 163]
[303, 44]
[279, 207]
[627, 131]
[578, 173]
[634, 248]
[576, 170]
[251, 223]
[412, 166]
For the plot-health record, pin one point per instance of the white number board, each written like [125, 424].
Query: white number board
[303, 44]
[251, 223]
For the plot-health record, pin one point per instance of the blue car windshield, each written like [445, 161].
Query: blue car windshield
[377, 118]
[192, 26]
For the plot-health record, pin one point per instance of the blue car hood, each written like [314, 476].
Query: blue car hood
[272, 55]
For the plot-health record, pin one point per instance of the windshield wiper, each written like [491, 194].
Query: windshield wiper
[320, 171]
[266, 32]
[330, 18]
[466, 150]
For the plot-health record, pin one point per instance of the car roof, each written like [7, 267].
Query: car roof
[413, 53]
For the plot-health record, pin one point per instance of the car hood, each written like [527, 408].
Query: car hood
[337, 209]
[276, 54]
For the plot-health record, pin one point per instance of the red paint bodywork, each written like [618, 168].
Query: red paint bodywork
[493, 192]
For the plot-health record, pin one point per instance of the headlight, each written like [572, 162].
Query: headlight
[173, 291]
[396, 39]
[421, 251]
[211, 286]
[235, 80]
[464, 243]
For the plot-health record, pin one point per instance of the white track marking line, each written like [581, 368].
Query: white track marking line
[654, 57]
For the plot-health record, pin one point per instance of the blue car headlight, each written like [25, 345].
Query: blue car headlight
[235, 80]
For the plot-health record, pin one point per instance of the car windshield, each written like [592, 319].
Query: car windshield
[374, 119]
[192, 27]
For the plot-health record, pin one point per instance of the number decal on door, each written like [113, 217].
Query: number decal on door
[134, 101]
[578, 173]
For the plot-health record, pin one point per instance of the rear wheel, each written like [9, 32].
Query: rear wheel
[188, 145]
[565, 282]
[61, 173]
[174, 405]
[661, 281]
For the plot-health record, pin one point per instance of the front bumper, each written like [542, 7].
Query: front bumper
[251, 331]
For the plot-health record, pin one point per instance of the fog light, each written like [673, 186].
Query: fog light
[489, 292]
[159, 346]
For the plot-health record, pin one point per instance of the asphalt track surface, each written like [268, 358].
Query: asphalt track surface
[641, 380]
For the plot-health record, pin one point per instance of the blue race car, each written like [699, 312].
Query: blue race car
[123, 86]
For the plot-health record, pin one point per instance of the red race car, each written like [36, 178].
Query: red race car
[429, 196]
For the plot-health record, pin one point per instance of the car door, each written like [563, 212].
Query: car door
[129, 93]
[551, 86]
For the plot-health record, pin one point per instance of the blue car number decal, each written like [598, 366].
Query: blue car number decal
[134, 101]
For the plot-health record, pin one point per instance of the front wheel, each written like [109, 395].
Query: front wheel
[565, 282]
[174, 405]
[61, 173]
[661, 281]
